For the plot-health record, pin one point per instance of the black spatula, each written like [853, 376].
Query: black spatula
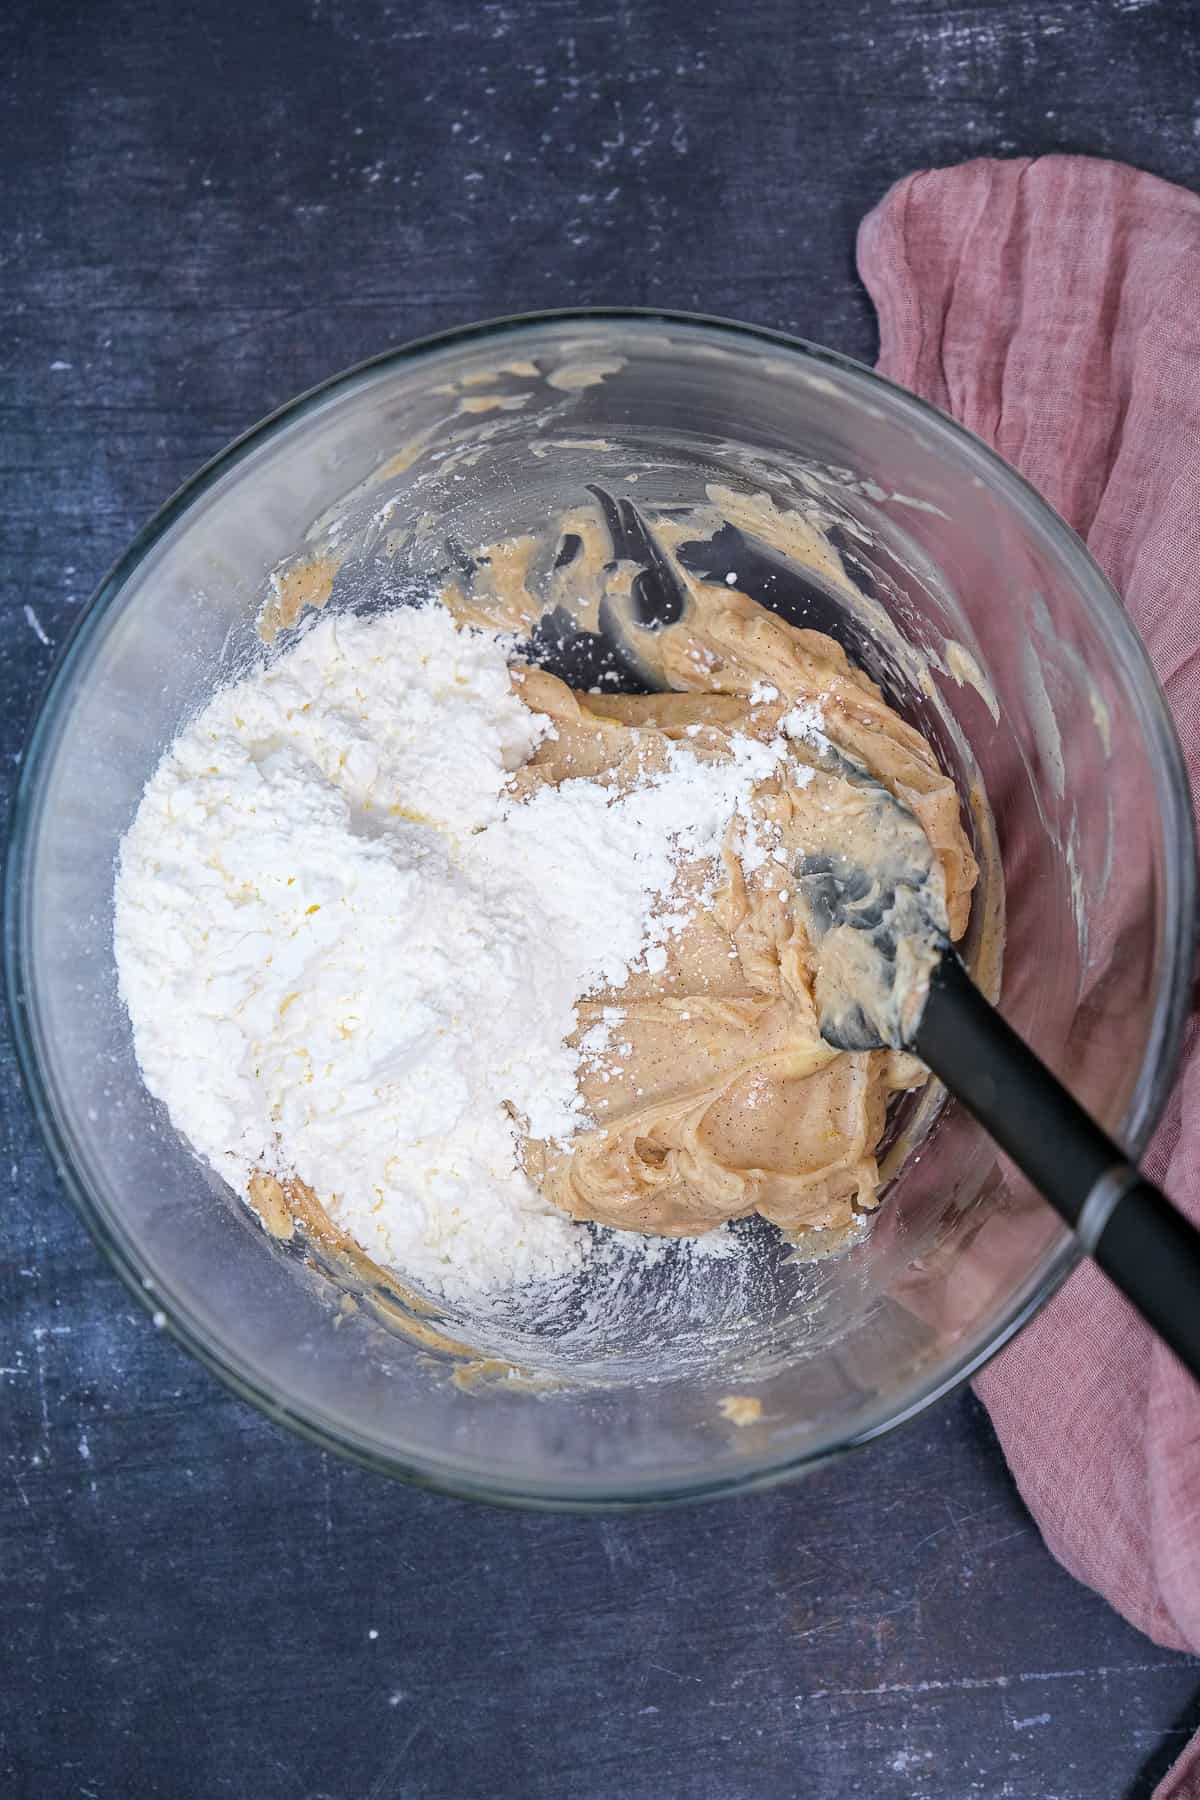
[887, 974]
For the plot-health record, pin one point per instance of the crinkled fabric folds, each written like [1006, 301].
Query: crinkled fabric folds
[1052, 305]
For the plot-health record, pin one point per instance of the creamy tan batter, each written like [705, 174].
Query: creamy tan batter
[724, 1099]
[721, 1098]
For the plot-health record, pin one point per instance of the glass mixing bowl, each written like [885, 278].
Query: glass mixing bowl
[987, 624]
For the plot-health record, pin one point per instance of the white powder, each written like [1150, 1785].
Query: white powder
[805, 721]
[351, 956]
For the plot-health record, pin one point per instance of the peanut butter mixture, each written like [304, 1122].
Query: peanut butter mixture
[711, 1091]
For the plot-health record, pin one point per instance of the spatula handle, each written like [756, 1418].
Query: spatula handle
[1144, 1244]
[1150, 1251]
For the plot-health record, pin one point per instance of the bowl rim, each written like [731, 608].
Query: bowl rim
[1160, 1057]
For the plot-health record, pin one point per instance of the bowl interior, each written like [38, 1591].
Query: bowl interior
[986, 625]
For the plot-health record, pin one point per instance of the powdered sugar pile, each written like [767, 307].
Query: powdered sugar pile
[349, 955]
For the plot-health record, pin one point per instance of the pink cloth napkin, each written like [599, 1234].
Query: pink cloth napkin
[1053, 306]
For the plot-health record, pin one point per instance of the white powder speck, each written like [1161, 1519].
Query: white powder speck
[806, 722]
[907, 1760]
[35, 625]
[731, 578]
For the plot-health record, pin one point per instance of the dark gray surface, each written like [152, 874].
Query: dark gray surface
[202, 212]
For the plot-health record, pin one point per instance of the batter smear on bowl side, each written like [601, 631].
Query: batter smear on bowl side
[414, 935]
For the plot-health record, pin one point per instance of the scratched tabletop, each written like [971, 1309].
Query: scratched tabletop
[204, 210]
